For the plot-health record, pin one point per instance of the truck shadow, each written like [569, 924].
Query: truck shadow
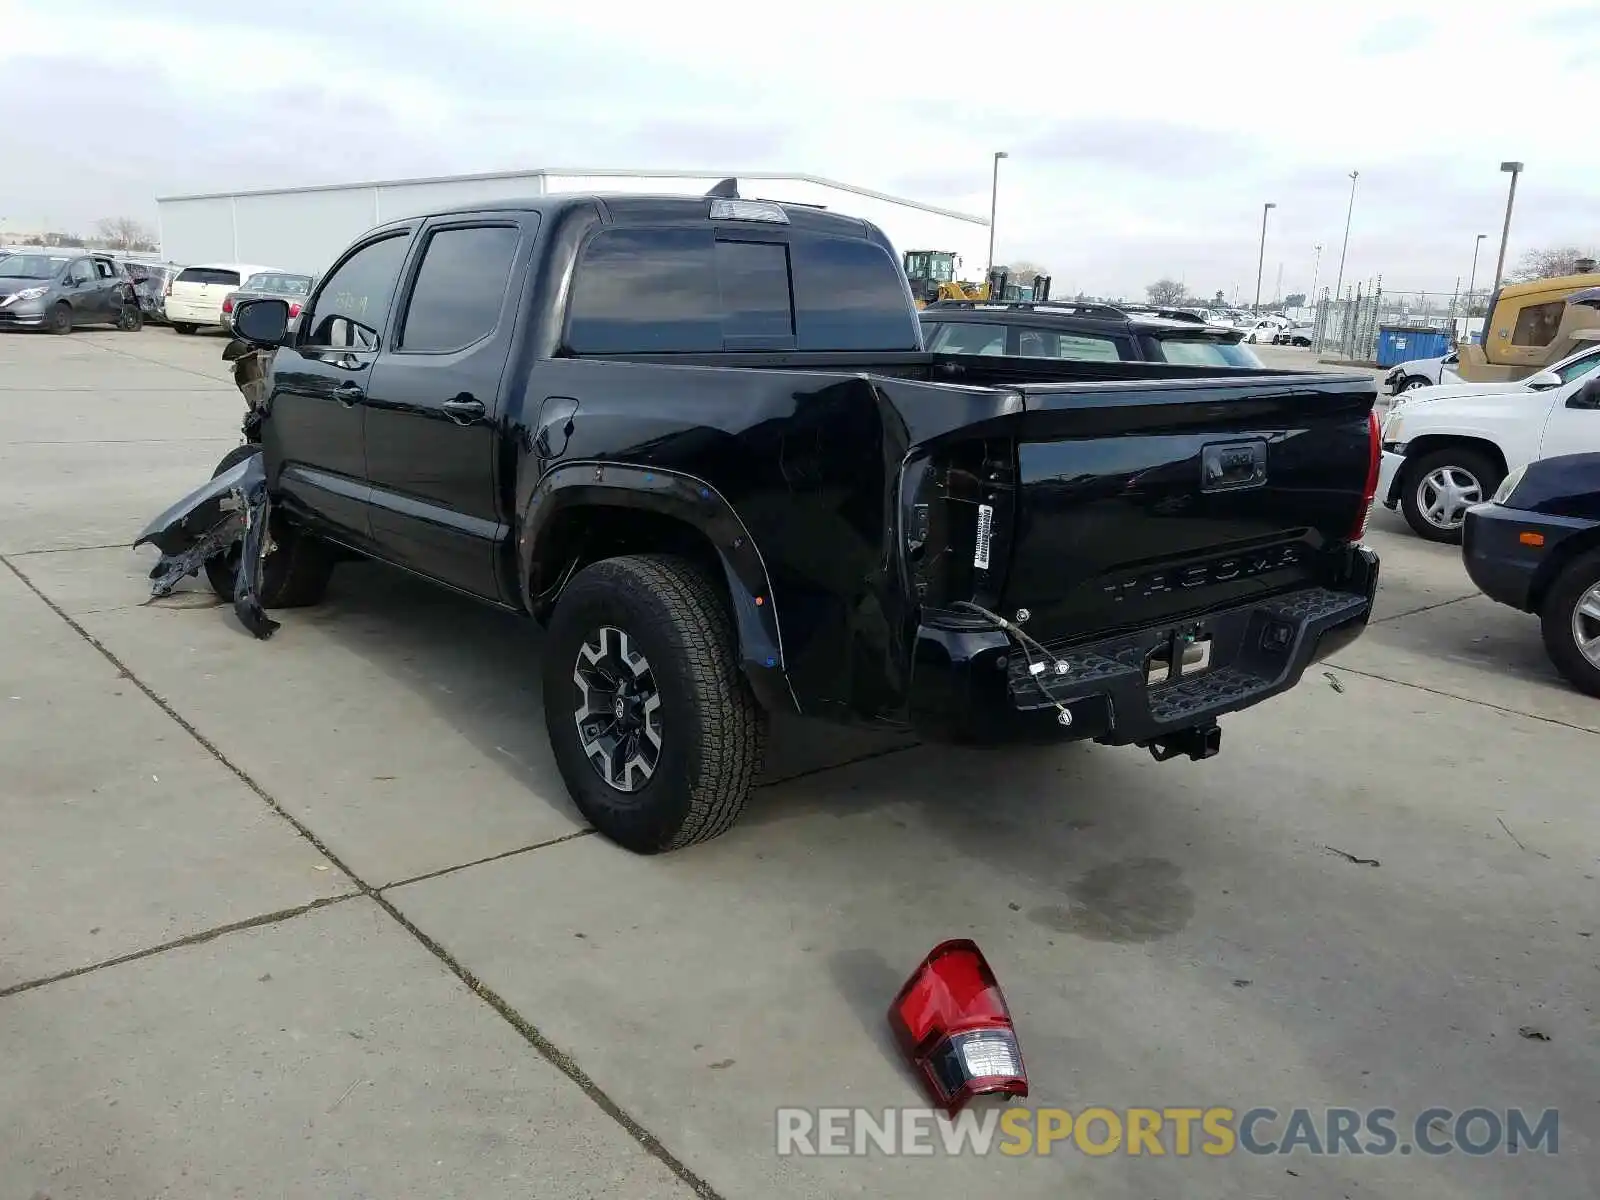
[480, 669]
[1096, 830]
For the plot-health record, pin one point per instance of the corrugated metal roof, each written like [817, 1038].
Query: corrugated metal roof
[614, 172]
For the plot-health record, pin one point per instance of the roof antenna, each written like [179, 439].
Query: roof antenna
[728, 189]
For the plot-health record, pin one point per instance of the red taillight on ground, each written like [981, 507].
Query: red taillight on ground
[1374, 460]
[952, 1022]
[294, 311]
[227, 305]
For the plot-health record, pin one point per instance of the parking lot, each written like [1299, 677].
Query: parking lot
[314, 916]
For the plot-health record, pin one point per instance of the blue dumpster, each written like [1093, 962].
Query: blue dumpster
[1402, 343]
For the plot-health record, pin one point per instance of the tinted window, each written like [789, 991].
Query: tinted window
[353, 304]
[460, 288]
[957, 338]
[1078, 347]
[851, 295]
[1578, 367]
[754, 281]
[104, 269]
[1537, 324]
[646, 290]
[209, 275]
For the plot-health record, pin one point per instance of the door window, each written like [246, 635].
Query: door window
[1578, 367]
[1076, 347]
[353, 305]
[957, 337]
[460, 288]
[81, 271]
[104, 269]
[1537, 324]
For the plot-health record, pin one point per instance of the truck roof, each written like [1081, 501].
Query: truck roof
[629, 208]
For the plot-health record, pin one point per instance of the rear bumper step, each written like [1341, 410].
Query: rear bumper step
[1123, 690]
[1256, 651]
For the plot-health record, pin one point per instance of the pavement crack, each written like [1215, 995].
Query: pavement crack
[478, 862]
[546, 1049]
[1411, 612]
[1500, 708]
[193, 939]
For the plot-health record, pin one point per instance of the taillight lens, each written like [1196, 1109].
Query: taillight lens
[1374, 459]
[227, 305]
[953, 1024]
[294, 310]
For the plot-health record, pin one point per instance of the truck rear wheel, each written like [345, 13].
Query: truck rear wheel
[297, 566]
[655, 731]
[1570, 621]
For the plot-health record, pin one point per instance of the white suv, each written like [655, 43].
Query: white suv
[1447, 448]
[195, 297]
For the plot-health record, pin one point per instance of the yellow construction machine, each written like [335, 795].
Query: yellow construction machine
[932, 276]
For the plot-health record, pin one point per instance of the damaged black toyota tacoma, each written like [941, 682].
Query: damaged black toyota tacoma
[699, 439]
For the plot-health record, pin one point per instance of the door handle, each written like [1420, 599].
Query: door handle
[348, 394]
[464, 409]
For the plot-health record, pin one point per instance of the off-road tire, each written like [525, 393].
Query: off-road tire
[294, 575]
[1555, 619]
[60, 322]
[713, 733]
[183, 327]
[1480, 466]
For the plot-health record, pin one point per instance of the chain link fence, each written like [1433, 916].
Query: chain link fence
[1348, 326]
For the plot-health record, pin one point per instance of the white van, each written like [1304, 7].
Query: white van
[195, 297]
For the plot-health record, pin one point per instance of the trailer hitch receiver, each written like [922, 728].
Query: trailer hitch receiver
[1198, 742]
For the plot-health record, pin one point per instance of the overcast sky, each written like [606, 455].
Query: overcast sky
[1143, 137]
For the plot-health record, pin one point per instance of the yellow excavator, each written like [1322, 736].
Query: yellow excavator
[932, 276]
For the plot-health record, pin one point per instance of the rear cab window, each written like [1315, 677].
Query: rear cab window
[208, 275]
[699, 290]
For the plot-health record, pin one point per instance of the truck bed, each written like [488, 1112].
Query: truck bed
[890, 489]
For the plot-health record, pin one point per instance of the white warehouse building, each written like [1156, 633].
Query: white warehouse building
[304, 229]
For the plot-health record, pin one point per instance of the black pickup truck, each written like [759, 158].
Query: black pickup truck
[700, 440]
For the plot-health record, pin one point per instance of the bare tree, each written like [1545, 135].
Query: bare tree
[1549, 262]
[1022, 269]
[1165, 291]
[126, 233]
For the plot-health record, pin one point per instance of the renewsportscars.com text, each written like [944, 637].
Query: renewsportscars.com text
[1176, 1131]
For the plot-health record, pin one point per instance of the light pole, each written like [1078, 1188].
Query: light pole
[1513, 169]
[1477, 244]
[1262, 257]
[1349, 212]
[994, 204]
[1316, 270]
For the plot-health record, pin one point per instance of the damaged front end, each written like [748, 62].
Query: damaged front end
[224, 519]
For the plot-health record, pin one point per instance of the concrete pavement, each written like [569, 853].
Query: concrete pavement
[314, 917]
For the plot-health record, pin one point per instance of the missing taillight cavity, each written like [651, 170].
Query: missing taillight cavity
[1374, 462]
[952, 1021]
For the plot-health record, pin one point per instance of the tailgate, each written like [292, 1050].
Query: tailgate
[1135, 503]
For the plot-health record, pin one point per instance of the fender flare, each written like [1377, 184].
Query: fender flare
[697, 504]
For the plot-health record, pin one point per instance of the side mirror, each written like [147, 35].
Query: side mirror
[263, 322]
[1542, 381]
